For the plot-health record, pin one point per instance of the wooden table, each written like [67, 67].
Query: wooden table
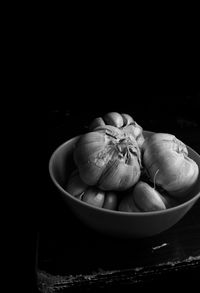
[73, 257]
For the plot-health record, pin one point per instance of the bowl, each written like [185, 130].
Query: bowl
[117, 223]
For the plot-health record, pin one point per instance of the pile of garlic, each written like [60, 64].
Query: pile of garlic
[119, 169]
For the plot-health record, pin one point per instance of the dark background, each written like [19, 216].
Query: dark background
[173, 114]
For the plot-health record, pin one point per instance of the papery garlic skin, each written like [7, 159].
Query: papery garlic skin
[137, 131]
[167, 162]
[122, 121]
[108, 158]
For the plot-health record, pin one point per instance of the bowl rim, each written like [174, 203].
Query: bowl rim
[115, 212]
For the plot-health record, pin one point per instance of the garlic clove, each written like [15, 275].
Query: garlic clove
[127, 204]
[186, 177]
[96, 123]
[110, 201]
[127, 119]
[114, 119]
[94, 197]
[147, 198]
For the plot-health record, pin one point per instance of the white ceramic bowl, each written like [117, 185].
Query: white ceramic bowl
[117, 223]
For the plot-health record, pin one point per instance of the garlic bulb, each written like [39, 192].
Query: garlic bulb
[167, 162]
[108, 158]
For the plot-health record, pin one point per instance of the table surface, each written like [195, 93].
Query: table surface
[73, 256]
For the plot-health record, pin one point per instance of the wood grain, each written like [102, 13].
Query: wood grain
[105, 279]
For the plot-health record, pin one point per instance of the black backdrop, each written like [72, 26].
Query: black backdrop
[155, 113]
